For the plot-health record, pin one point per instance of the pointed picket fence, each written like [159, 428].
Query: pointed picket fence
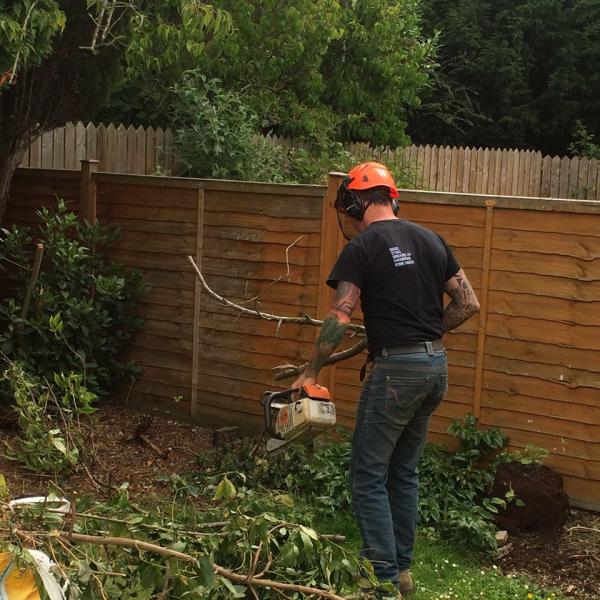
[150, 151]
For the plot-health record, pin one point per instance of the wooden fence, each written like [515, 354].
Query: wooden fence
[435, 168]
[142, 151]
[530, 363]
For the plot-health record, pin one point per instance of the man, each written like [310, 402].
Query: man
[400, 272]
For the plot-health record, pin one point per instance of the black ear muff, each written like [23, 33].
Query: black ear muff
[395, 207]
[349, 201]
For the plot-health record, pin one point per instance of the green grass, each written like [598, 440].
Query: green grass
[444, 573]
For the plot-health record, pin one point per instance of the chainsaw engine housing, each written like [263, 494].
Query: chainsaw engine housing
[297, 415]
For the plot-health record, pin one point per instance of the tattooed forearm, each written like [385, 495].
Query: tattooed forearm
[464, 303]
[330, 335]
[334, 327]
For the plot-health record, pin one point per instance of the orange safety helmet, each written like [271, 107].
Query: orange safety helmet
[371, 174]
[363, 177]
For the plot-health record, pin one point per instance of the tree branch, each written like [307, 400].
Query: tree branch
[286, 371]
[304, 320]
[169, 553]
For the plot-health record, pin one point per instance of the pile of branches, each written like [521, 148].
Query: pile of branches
[237, 547]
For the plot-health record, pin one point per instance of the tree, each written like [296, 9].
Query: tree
[311, 69]
[376, 70]
[69, 54]
[516, 74]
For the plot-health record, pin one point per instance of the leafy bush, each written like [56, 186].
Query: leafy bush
[82, 307]
[217, 134]
[453, 486]
[51, 439]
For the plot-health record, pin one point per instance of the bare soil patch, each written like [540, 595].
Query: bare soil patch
[116, 457]
[567, 558]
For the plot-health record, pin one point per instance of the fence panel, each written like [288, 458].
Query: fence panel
[530, 362]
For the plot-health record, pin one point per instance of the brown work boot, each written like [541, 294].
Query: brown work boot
[407, 586]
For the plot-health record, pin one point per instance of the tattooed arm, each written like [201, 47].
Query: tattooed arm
[464, 303]
[332, 331]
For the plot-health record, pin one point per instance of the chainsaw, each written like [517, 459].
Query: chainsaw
[297, 415]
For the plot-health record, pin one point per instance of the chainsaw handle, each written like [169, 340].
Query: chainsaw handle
[268, 398]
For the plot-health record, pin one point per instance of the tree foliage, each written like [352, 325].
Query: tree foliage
[515, 74]
[312, 69]
[27, 30]
[376, 70]
[74, 53]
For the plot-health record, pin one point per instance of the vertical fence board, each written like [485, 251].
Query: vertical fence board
[131, 139]
[555, 177]
[35, 153]
[466, 171]
[58, 148]
[582, 176]
[112, 149]
[121, 162]
[80, 143]
[460, 160]
[426, 167]
[453, 170]
[91, 142]
[70, 159]
[536, 175]
[592, 181]
[149, 167]
[563, 181]
[47, 150]
[474, 169]
[102, 150]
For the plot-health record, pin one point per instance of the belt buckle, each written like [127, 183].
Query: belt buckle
[429, 347]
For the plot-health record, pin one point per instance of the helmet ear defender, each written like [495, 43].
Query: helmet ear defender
[350, 201]
[353, 205]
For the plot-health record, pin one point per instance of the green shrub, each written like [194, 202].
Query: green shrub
[82, 306]
[453, 492]
[216, 134]
[453, 486]
[51, 438]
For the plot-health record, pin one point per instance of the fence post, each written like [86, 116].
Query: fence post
[331, 243]
[194, 407]
[87, 190]
[482, 329]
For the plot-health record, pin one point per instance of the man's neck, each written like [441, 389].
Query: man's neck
[378, 212]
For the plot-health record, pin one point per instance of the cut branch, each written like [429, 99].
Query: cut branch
[286, 371]
[169, 553]
[303, 320]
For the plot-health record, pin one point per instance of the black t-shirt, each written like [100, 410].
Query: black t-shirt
[400, 268]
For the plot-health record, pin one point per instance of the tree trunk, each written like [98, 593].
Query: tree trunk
[10, 159]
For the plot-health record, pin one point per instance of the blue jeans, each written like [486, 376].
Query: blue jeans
[399, 396]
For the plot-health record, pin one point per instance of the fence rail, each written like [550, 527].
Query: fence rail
[149, 151]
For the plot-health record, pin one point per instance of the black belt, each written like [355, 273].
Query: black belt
[429, 347]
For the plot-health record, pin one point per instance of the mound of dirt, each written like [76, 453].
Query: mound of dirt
[540, 489]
